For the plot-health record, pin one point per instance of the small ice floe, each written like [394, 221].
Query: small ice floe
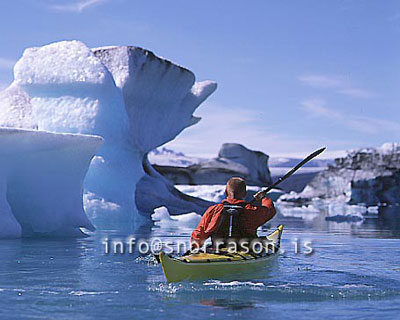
[373, 210]
[162, 217]
[306, 212]
[339, 211]
[215, 193]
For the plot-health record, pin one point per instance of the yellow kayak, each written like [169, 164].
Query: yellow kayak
[203, 265]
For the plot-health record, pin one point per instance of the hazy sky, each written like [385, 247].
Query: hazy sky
[292, 75]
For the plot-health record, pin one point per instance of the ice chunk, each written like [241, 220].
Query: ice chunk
[161, 216]
[336, 209]
[233, 160]
[160, 96]
[214, 193]
[41, 182]
[370, 176]
[305, 212]
[153, 191]
[373, 210]
[72, 91]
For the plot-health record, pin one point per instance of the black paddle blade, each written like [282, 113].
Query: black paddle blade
[293, 170]
[302, 163]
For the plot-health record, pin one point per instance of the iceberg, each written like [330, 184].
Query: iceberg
[369, 176]
[133, 99]
[41, 181]
[233, 160]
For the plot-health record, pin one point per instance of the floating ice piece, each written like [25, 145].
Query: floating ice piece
[343, 209]
[214, 193]
[306, 212]
[161, 216]
[373, 210]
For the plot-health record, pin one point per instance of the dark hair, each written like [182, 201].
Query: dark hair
[235, 188]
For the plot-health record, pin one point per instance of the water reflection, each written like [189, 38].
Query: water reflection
[385, 224]
[230, 304]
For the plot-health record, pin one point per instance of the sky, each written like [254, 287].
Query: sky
[292, 75]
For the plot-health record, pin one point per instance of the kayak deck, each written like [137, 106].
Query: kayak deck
[218, 265]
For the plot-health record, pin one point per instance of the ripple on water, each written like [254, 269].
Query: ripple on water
[149, 260]
[91, 293]
[278, 292]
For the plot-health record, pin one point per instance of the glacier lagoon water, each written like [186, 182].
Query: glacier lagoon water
[354, 272]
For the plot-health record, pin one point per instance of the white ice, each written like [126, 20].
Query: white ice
[41, 182]
[133, 99]
[336, 209]
[161, 217]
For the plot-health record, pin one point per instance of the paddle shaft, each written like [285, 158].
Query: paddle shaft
[293, 170]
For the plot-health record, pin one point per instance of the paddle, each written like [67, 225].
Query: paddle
[289, 173]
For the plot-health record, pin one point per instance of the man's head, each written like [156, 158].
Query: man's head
[235, 188]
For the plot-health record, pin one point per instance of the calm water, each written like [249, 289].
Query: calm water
[353, 273]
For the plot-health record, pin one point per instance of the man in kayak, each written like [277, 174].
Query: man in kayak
[233, 218]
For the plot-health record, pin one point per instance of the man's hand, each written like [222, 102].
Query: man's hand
[259, 195]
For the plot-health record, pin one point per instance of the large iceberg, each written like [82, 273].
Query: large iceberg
[233, 160]
[370, 176]
[41, 180]
[133, 99]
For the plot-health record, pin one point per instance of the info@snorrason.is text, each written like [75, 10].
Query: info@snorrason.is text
[132, 245]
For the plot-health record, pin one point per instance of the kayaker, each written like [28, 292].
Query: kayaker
[218, 225]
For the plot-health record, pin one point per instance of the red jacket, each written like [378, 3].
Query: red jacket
[253, 217]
